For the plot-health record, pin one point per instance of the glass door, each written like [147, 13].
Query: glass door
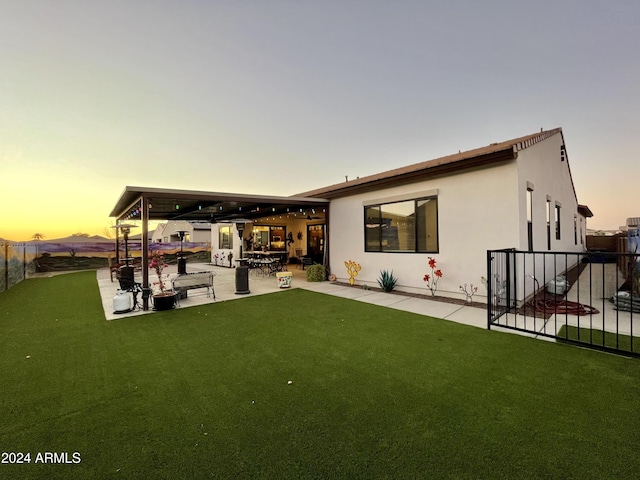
[315, 242]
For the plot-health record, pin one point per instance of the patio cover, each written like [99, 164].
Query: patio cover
[145, 204]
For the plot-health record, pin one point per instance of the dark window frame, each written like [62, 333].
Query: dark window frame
[367, 232]
[270, 235]
[530, 219]
[549, 223]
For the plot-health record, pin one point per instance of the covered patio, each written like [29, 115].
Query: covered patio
[223, 287]
[144, 205]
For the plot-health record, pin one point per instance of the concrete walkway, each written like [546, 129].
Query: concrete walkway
[224, 285]
[595, 286]
[473, 316]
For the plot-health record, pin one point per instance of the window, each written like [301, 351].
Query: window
[226, 237]
[406, 226]
[575, 229]
[266, 237]
[277, 238]
[548, 223]
[530, 218]
[557, 222]
[372, 229]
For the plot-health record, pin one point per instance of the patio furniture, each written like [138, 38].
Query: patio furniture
[189, 281]
[114, 269]
[306, 261]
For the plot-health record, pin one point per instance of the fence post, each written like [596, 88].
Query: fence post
[489, 296]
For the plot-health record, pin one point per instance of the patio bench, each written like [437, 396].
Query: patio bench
[189, 281]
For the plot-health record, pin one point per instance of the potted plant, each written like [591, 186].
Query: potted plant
[163, 297]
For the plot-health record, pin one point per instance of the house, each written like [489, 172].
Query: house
[194, 231]
[517, 194]
[513, 194]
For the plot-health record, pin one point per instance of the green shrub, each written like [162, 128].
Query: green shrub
[316, 273]
[387, 281]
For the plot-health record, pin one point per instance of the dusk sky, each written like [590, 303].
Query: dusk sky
[278, 97]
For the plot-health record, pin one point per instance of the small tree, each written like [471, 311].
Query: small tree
[38, 238]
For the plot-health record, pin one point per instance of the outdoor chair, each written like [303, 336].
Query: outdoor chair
[255, 266]
[114, 268]
[306, 262]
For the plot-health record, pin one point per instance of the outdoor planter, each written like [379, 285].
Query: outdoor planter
[284, 279]
[164, 301]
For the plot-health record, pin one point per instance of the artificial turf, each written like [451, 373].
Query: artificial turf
[204, 392]
[623, 343]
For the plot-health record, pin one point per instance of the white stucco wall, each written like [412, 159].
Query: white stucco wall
[477, 210]
[541, 166]
[167, 232]
[224, 252]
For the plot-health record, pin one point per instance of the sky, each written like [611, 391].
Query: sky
[281, 96]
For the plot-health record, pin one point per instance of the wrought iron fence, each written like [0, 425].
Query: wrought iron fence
[586, 298]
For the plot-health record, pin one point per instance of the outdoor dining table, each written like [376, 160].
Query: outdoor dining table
[267, 266]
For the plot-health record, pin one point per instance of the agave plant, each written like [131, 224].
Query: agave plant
[387, 281]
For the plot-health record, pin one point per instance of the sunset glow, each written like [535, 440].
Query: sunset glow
[282, 97]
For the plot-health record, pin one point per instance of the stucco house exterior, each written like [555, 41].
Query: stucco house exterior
[513, 194]
[516, 194]
[198, 232]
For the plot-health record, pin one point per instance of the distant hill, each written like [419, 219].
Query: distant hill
[69, 239]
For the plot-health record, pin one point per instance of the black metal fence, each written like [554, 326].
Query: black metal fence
[586, 298]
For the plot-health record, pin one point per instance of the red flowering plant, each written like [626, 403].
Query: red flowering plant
[436, 274]
[158, 264]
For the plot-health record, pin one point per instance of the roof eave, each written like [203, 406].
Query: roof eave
[585, 211]
[367, 183]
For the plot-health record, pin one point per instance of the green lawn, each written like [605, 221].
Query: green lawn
[625, 343]
[203, 392]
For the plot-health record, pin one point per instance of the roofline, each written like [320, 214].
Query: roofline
[433, 168]
[478, 157]
[585, 211]
[132, 194]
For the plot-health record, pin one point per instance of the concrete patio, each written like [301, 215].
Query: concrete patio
[224, 286]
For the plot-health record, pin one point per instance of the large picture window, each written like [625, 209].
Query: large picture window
[407, 226]
[267, 237]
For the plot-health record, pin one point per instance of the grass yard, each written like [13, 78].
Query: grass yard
[626, 343]
[204, 392]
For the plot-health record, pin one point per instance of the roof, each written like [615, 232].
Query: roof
[585, 211]
[491, 154]
[172, 204]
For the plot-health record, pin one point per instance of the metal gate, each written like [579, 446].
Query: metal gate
[587, 298]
